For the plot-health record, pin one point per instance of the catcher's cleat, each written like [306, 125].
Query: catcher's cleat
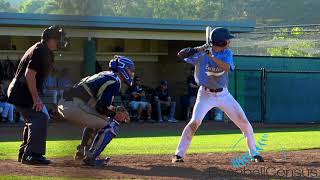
[176, 159]
[106, 160]
[80, 153]
[94, 162]
[78, 156]
[257, 158]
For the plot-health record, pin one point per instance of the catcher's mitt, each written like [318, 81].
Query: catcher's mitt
[122, 114]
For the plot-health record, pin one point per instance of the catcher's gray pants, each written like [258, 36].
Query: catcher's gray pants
[82, 114]
[34, 132]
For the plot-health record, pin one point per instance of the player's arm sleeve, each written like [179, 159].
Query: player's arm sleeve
[105, 99]
[194, 58]
[229, 60]
[37, 60]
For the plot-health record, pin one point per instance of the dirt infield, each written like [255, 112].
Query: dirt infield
[298, 165]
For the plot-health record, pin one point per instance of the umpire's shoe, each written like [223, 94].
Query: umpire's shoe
[257, 158]
[177, 159]
[20, 156]
[35, 160]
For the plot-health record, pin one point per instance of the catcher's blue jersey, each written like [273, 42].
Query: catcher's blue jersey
[207, 73]
[104, 86]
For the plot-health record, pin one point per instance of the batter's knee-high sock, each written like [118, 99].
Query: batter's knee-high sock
[186, 138]
[251, 143]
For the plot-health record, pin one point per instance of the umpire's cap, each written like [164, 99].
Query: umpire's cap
[55, 32]
[220, 34]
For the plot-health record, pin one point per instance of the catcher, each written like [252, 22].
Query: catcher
[88, 104]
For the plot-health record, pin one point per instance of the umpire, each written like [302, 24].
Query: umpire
[33, 69]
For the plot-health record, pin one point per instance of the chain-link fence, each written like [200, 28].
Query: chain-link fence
[284, 41]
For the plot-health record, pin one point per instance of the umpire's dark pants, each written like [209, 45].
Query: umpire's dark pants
[34, 132]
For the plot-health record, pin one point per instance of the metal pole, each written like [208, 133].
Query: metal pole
[263, 94]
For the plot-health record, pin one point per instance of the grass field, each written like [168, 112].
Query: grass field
[165, 142]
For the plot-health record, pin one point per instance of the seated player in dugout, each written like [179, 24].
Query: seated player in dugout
[88, 105]
[163, 101]
[138, 99]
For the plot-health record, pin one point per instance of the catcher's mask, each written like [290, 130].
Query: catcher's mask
[125, 66]
[57, 33]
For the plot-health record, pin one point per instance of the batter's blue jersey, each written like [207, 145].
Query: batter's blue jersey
[207, 73]
[104, 86]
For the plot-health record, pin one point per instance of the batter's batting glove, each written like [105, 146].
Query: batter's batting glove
[203, 47]
[187, 52]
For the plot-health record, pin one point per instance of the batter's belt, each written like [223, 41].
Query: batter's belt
[213, 90]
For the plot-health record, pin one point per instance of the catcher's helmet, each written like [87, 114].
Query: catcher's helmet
[55, 32]
[219, 36]
[123, 65]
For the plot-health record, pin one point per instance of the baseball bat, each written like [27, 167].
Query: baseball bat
[208, 38]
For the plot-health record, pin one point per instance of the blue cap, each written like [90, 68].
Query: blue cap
[220, 34]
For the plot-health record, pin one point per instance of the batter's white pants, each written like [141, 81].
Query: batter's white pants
[207, 100]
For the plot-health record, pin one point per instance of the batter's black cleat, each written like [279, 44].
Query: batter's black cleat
[177, 159]
[257, 158]
[35, 160]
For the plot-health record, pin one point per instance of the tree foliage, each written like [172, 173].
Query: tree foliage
[297, 46]
[5, 6]
[263, 11]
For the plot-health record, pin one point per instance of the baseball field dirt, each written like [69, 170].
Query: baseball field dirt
[298, 165]
[294, 164]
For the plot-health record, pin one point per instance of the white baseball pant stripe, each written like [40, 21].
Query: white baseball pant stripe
[206, 101]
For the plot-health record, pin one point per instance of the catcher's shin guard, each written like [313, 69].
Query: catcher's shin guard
[102, 139]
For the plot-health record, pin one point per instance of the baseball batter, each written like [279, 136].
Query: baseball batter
[213, 62]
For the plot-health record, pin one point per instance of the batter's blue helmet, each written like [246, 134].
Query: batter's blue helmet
[219, 36]
[123, 65]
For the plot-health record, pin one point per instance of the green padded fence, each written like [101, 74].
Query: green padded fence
[292, 97]
[291, 94]
[247, 91]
